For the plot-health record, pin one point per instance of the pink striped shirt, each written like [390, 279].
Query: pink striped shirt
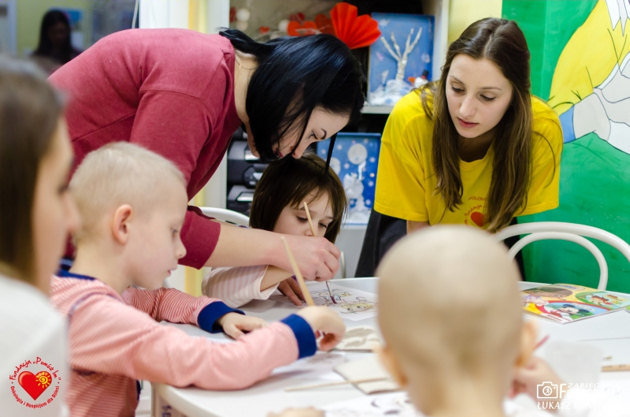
[116, 340]
[236, 286]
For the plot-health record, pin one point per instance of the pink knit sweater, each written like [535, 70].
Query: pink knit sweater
[116, 340]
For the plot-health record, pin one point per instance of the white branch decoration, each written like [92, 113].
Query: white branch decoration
[401, 58]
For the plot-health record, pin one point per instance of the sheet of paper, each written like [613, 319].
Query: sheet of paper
[379, 405]
[367, 369]
[351, 303]
[315, 368]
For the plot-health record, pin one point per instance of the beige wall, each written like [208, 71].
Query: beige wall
[29, 15]
[463, 12]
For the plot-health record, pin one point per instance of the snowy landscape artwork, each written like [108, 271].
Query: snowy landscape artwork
[401, 58]
[354, 160]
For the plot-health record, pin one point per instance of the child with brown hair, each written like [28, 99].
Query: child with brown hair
[278, 206]
[130, 238]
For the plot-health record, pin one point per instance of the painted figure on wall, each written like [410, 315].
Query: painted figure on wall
[591, 91]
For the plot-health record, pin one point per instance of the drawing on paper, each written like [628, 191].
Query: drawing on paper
[345, 300]
[351, 303]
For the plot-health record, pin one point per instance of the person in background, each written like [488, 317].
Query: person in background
[55, 46]
[183, 94]
[277, 206]
[113, 298]
[36, 215]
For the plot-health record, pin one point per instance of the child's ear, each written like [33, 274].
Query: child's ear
[391, 364]
[529, 335]
[120, 223]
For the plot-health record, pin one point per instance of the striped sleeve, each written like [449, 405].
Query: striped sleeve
[177, 307]
[237, 286]
[110, 337]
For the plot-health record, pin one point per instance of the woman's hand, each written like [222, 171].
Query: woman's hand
[317, 257]
[236, 325]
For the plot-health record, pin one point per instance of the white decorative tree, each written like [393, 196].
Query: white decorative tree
[401, 58]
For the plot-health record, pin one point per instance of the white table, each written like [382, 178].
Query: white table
[610, 333]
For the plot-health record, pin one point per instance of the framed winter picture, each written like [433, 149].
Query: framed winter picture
[354, 160]
[401, 58]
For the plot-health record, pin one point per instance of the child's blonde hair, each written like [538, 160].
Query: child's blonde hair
[449, 303]
[115, 174]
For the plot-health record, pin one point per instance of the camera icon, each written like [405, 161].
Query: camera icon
[547, 390]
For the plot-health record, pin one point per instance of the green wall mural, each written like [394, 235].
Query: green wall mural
[581, 64]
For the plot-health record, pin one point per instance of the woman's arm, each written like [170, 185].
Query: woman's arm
[316, 257]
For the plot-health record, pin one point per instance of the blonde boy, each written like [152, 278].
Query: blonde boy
[133, 204]
[450, 314]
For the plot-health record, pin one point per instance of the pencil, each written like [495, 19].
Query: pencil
[310, 223]
[541, 341]
[298, 274]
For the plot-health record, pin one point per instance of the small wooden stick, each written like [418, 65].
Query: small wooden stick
[332, 384]
[310, 223]
[298, 274]
[616, 368]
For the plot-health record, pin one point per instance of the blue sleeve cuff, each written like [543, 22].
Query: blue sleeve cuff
[208, 316]
[566, 121]
[307, 345]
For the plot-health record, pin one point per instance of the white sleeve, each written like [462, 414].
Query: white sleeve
[236, 286]
[34, 339]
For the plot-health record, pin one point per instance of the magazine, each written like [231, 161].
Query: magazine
[567, 303]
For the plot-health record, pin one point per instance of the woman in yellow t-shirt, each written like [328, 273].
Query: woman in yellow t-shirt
[474, 147]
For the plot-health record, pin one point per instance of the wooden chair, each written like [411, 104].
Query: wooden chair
[226, 215]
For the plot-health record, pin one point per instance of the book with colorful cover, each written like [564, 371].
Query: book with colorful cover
[567, 303]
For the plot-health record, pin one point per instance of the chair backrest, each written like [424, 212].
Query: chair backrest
[573, 232]
[226, 215]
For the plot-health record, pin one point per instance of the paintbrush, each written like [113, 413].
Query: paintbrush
[310, 223]
[298, 274]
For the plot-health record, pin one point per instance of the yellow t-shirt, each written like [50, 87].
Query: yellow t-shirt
[406, 182]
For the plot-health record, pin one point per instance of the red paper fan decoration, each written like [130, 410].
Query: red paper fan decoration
[324, 24]
[355, 31]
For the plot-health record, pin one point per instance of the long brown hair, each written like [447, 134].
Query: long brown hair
[287, 182]
[502, 42]
[29, 112]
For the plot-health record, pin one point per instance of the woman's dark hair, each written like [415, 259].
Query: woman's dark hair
[45, 47]
[295, 75]
[29, 113]
[288, 182]
[502, 42]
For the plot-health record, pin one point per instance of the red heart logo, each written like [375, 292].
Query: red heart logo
[477, 218]
[34, 384]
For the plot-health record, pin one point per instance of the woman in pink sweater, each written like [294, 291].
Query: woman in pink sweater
[183, 93]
